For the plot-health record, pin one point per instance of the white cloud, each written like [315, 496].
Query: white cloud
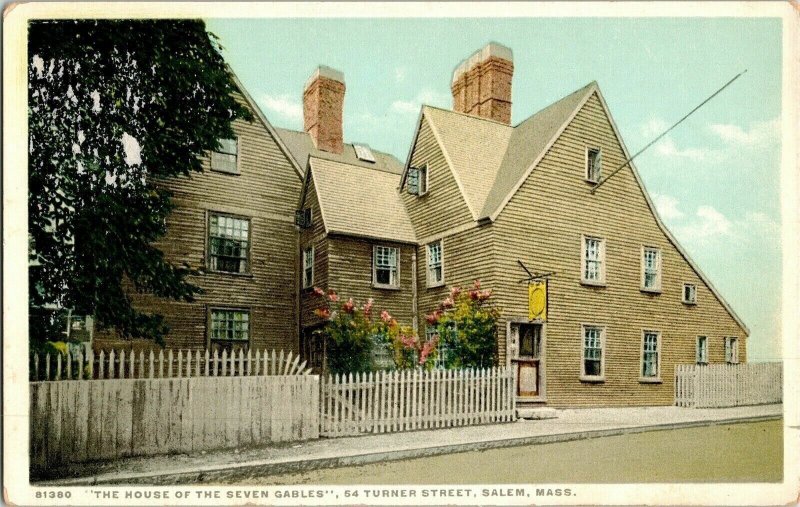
[667, 148]
[426, 96]
[399, 74]
[760, 133]
[667, 207]
[653, 127]
[285, 106]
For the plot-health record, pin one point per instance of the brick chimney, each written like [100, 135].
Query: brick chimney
[323, 102]
[482, 83]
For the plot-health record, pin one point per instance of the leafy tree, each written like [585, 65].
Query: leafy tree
[115, 106]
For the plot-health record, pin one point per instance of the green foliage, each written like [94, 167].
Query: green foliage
[410, 352]
[115, 106]
[466, 323]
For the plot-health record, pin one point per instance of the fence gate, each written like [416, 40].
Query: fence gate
[381, 402]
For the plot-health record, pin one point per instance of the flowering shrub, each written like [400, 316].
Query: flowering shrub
[411, 352]
[466, 324]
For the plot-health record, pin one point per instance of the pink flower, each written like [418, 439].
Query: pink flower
[448, 303]
[477, 284]
[368, 307]
[332, 295]
[454, 292]
[318, 291]
[322, 313]
[409, 342]
[433, 318]
[348, 306]
[426, 350]
[386, 317]
[483, 295]
[473, 294]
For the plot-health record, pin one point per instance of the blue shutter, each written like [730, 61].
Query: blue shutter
[413, 181]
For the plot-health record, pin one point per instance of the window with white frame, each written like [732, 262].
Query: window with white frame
[594, 164]
[226, 158]
[230, 325]
[228, 243]
[651, 268]
[592, 360]
[435, 265]
[689, 293]
[731, 350]
[308, 267]
[650, 351]
[593, 260]
[702, 350]
[384, 266]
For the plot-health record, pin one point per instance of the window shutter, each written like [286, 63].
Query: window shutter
[413, 181]
[598, 164]
[302, 218]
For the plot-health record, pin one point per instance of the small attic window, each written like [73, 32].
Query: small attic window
[364, 153]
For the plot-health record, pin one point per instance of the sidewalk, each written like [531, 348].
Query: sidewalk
[571, 424]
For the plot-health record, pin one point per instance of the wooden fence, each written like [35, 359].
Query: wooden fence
[179, 363]
[728, 385]
[89, 420]
[407, 400]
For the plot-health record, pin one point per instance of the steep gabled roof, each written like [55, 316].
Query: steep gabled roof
[474, 148]
[302, 146]
[349, 207]
[528, 144]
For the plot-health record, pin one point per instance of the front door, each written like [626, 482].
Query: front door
[528, 339]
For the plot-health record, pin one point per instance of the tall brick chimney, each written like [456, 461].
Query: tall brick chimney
[482, 83]
[323, 103]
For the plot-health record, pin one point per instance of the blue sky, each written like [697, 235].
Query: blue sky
[715, 179]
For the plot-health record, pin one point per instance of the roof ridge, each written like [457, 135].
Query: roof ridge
[303, 132]
[467, 115]
[359, 166]
[582, 88]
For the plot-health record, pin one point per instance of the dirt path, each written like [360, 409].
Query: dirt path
[746, 452]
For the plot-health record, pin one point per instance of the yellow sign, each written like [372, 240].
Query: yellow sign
[537, 300]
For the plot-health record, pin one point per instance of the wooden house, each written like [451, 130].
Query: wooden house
[624, 303]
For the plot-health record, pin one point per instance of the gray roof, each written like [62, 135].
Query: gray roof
[301, 147]
[359, 201]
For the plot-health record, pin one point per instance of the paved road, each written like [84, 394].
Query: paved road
[744, 452]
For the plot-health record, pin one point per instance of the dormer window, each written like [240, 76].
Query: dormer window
[417, 181]
[594, 164]
[364, 153]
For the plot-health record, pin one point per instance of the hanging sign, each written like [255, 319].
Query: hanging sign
[537, 300]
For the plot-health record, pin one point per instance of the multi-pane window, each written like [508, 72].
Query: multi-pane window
[592, 364]
[226, 158]
[229, 243]
[594, 164]
[435, 270]
[651, 268]
[689, 293]
[385, 266]
[731, 350]
[417, 180]
[443, 350]
[593, 256]
[232, 325]
[308, 267]
[650, 350]
[702, 350]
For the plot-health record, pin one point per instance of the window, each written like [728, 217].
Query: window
[651, 269]
[592, 363]
[229, 243]
[731, 350]
[650, 359]
[230, 325]
[226, 159]
[364, 153]
[384, 266]
[443, 349]
[435, 268]
[592, 259]
[594, 164]
[417, 181]
[308, 267]
[689, 293]
[702, 350]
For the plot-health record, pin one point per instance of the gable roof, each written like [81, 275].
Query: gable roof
[348, 209]
[302, 147]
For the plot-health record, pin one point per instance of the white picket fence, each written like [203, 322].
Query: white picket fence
[161, 364]
[728, 385]
[381, 402]
[87, 420]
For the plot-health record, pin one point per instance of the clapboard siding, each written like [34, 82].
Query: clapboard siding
[313, 236]
[266, 191]
[350, 262]
[542, 225]
[444, 200]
